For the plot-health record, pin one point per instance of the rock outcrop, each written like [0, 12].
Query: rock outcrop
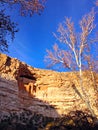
[47, 92]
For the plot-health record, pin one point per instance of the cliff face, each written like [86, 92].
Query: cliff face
[43, 91]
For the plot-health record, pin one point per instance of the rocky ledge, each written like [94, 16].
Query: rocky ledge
[46, 92]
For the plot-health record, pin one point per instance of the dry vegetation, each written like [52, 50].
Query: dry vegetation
[27, 120]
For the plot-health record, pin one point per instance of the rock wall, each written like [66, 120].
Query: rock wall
[43, 91]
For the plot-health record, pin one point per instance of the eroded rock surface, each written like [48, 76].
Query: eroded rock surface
[43, 91]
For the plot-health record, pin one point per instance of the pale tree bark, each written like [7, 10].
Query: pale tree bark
[73, 56]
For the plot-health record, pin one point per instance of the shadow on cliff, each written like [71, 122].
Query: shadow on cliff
[19, 109]
[35, 114]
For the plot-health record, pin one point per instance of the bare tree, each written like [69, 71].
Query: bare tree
[7, 26]
[76, 50]
[27, 7]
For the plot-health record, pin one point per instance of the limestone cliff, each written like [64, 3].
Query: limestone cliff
[43, 91]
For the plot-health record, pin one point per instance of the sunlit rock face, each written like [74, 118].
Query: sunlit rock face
[46, 92]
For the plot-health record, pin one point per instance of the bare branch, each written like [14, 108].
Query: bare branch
[96, 2]
[87, 25]
[76, 49]
[58, 56]
[27, 7]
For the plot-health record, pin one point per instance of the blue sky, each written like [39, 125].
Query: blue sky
[35, 34]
